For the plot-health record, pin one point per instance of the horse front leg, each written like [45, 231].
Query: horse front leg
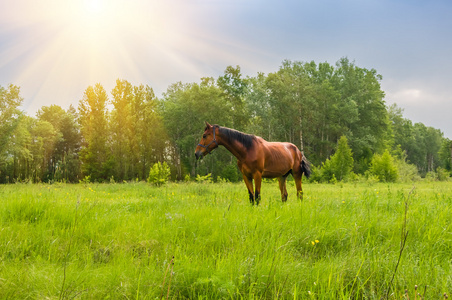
[282, 188]
[257, 185]
[249, 186]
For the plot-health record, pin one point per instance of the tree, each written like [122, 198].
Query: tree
[185, 108]
[18, 153]
[445, 155]
[69, 166]
[10, 100]
[95, 155]
[292, 103]
[52, 115]
[10, 116]
[425, 147]
[123, 141]
[370, 132]
[259, 107]
[342, 160]
[329, 122]
[44, 138]
[234, 90]
[151, 141]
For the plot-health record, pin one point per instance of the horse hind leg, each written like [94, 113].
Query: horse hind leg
[282, 188]
[297, 178]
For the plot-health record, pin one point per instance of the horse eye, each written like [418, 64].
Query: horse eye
[204, 136]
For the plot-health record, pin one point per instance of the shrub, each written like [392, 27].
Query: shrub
[384, 167]
[340, 165]
[316, 174]
[406, 172]
[442, 174]
[85, 180]
[159, 174]
[206, 178]
[230, 173]
[430, 176]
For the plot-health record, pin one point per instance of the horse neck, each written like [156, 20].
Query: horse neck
[235, 147]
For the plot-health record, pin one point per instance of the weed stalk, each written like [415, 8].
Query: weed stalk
[164, 278]
[404, 235]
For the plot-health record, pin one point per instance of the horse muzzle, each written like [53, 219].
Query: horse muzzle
[199, 155]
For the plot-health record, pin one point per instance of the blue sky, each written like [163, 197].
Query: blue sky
[55, 49]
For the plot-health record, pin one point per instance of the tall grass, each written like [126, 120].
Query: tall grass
[97, 241]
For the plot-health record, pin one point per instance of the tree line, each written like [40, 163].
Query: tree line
[120, 135]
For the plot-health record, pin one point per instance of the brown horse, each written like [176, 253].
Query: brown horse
[257, 158]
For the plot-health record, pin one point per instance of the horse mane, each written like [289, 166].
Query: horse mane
[234, 135]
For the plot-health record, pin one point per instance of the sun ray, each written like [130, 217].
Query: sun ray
[72, 44]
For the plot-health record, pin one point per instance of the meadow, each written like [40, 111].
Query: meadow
[205, 241]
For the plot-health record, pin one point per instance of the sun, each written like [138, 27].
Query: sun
[93, 6]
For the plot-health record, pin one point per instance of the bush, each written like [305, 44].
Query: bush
[340, 165]
[206, 178]
[230, 173]
[442, 174]
[316, 174]
[85, 180]
[407, 172]
[384, 167]
[159, 174]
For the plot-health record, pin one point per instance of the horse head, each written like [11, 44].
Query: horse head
[208, 142]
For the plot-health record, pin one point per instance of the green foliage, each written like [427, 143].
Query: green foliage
[185, 108]
[230, 173]
[316, 174]
[93, 126]
[234, 91]
[86, 179]
[442, 174]
[340, 166]
[124, 132]
[204, 179]
[10, 100]
[445, 155]
[425, 146]
[384, 167]
[159, 173]
[406, 172]
[342, 160]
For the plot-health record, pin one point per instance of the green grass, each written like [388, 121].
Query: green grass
[117, 241]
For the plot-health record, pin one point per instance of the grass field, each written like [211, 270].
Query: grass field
[205, 241]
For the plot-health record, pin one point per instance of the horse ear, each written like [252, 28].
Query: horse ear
[208, 125]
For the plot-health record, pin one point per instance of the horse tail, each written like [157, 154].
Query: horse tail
[305, 166]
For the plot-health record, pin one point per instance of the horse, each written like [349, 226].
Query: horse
[257, 159]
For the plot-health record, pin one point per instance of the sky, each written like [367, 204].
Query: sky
[55, 49]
